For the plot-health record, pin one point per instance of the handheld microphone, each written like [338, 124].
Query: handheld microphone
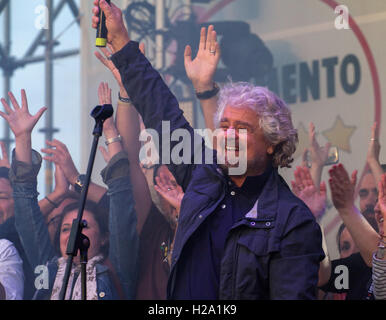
[101, 36]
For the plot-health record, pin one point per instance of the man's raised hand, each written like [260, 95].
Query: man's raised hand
[117, 36]
[201, 70]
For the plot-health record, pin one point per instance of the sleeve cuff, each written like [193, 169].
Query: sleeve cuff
[128, 52]
[377, 261]
[117, 167]
[22, 172]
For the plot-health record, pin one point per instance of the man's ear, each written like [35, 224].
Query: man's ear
[270, 150]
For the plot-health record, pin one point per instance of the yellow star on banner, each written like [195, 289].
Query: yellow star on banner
[340, 134]
[303, 140]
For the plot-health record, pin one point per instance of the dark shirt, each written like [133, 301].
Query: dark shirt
[199, 273]
[359, 277]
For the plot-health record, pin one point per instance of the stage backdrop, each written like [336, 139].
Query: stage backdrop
[329, 73]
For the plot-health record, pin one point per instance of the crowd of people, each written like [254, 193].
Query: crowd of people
[188, 230]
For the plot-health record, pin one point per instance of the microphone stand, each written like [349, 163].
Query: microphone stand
[77, 240]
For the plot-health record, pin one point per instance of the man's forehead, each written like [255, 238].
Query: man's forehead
[241, 114]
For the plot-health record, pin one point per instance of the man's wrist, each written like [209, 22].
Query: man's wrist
[202, 87]
[119, 42]
[208, 94]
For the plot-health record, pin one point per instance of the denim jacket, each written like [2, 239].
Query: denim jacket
[123, 237]
[272, 255]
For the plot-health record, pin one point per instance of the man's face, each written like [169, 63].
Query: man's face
[6, 200]
[255, 146]
[368, 194]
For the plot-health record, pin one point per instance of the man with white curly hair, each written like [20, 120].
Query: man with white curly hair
[242, 236]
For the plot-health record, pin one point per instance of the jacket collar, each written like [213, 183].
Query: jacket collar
[268, 201]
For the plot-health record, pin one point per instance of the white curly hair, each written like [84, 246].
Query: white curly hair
[274, 117]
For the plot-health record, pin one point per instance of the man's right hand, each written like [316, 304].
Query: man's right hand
[117, 36]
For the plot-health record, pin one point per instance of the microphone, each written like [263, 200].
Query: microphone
[101, 36]
[100, 114]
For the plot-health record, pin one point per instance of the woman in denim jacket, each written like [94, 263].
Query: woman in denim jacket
[108, 277]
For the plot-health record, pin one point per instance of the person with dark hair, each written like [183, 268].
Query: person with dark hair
[358, 281]
[121, 239]
[345, 243]
[239, 236]
[359, 274]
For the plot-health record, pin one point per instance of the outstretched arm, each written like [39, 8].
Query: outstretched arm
[53, 200]
[342, 191]
[21, 123]
[124, 240]
[150, 95]
[373, 153]
[29, 221]
[319, 156]
[127, 123]
[315, 199]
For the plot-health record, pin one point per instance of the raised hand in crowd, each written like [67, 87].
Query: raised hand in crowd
[60, 192]
[201, 71]
[171, 192]
[110, 132]
[373, 153]
[319, 155]
[342, 187]
[59, 154]
[304, 188]
[342, 192]
[21, 122]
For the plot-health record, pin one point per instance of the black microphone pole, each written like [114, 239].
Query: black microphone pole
[77, 240]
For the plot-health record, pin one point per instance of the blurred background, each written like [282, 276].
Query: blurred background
[333, 77]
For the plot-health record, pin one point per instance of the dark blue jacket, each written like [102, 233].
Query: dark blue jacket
[275, 255]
